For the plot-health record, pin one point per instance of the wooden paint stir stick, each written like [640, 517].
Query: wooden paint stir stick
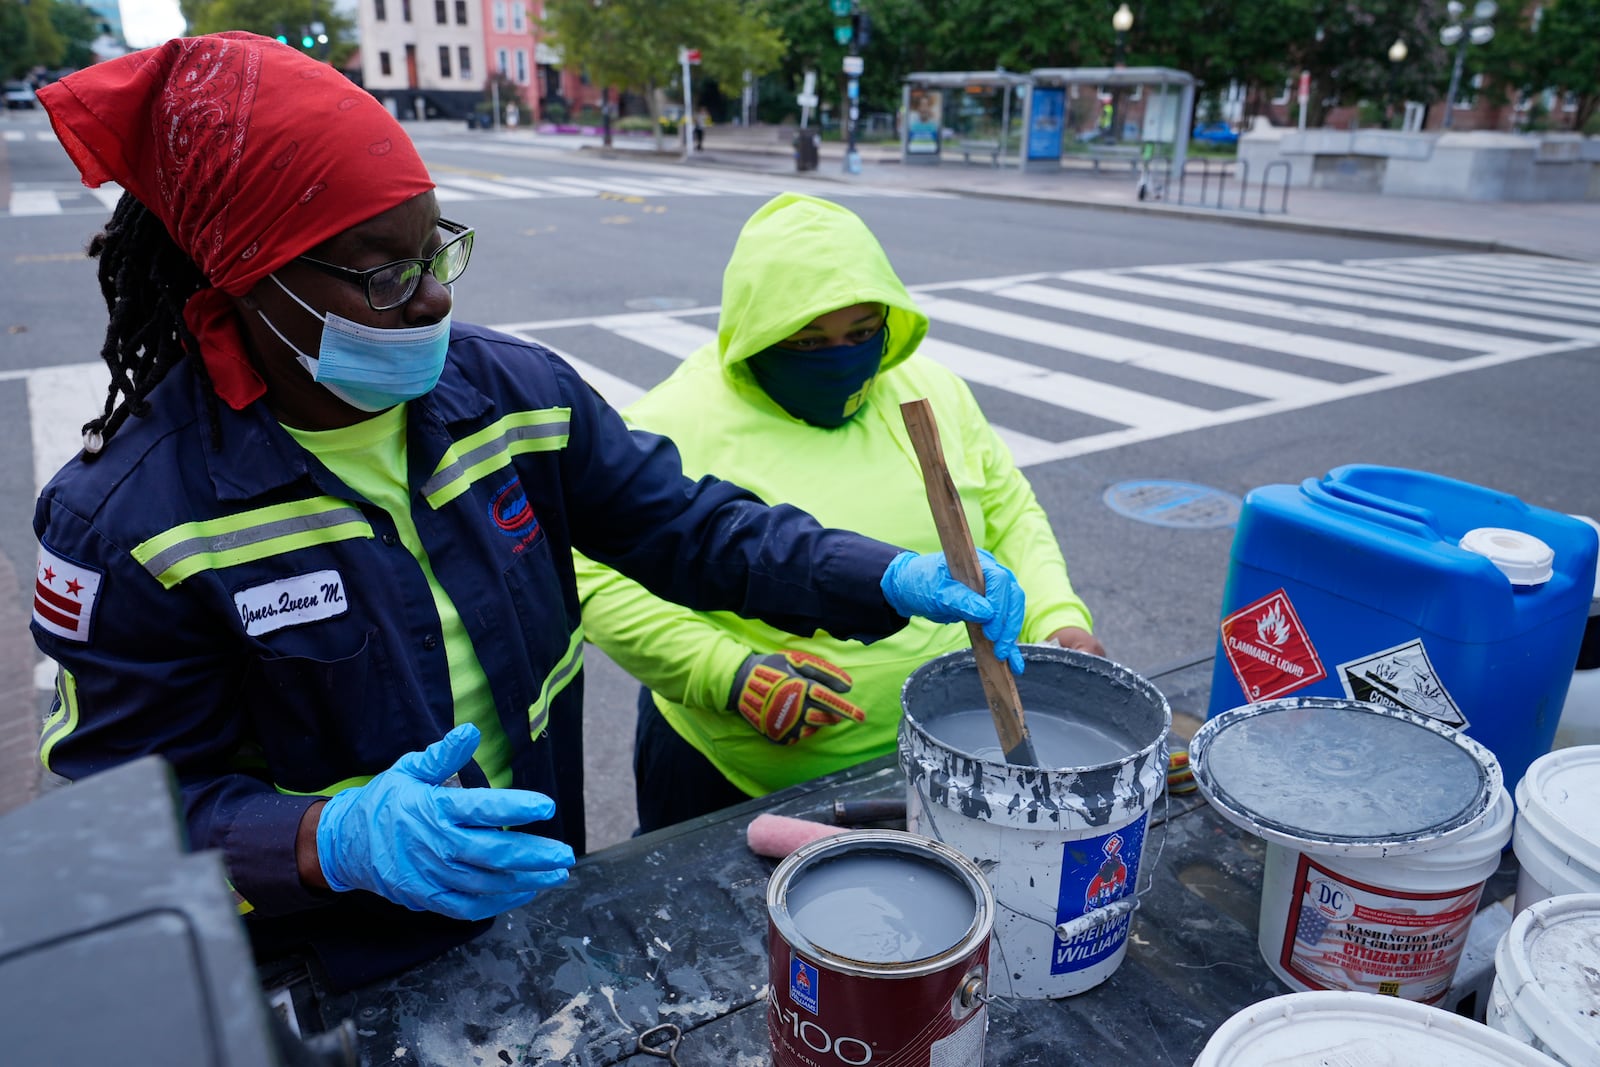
[999, 687]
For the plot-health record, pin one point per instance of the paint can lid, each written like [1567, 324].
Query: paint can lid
[1545, 967]
[1325, 1027]
[1343, 777]
[1521, 557]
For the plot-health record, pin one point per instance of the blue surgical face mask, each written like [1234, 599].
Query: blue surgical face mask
[370, 368]
[824, 387]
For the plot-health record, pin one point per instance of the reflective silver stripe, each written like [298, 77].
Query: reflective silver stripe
[163, 561]
[488, 449]
[565, 671]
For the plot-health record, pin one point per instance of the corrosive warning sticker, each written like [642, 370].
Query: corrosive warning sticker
[1269, 649]
[1401, 677]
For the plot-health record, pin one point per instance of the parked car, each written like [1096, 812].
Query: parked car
[20, 95]
[1216, 133]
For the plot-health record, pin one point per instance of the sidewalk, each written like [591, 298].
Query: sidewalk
[1569, 230]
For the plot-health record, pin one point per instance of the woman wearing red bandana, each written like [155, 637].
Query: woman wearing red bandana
[316, 552]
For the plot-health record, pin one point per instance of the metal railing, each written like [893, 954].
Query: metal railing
[1221, 173]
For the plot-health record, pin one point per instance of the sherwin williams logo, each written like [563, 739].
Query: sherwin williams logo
[511, 512]
[803, 984]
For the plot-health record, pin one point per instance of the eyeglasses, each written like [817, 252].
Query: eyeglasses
[392, 284]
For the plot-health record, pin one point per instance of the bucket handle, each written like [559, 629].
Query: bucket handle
[1370, 507]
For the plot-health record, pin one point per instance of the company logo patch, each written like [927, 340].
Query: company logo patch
[64, 593]
[803, 984]
[511, 512]
[1269, 650]
[291, 602]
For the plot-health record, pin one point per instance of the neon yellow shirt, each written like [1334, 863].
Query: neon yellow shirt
[370, 457]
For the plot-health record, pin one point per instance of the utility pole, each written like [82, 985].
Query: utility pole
[853, 33]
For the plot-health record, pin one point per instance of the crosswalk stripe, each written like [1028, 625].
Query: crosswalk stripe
[619, 392]
[664, 333]
[1460, 284]
[1070, 391]
[1309, 346]
[1526, 275]
[109, 194]
[1244, 378]
[60, 400]
[1256, 279]
[1394, 282]
[34, 202]
[1570, 286]
[1333, 317]
[500, 190]
[1541, 265]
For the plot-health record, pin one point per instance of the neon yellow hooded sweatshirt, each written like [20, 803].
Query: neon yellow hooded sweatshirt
[797, 258]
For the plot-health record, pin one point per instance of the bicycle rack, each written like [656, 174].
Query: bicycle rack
[1223, 172]
[1266, 177]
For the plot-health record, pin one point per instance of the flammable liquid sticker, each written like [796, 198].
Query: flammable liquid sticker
[1401, 677]
[1096, 871]
[1345, 934]
[1269, 649]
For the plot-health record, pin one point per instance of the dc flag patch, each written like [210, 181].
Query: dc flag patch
[63, 596]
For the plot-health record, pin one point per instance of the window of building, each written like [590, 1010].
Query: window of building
[1569, 101]
[518, 14]
[500, 59]
[384, 66]
[1282, 99]
[444, 61]
[378, 10]
[500, 15]
[461, 12]
[440, 12]
[464, 61]
[405, 10]
[522, 66]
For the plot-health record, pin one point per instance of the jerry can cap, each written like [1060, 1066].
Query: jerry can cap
[1521, 557]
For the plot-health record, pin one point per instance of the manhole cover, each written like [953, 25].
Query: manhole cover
[659, 303]
[1178, 504]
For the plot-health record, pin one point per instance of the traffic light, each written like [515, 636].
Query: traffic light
[306, 41]
[863, 28]
[843, 17]
[283, 39]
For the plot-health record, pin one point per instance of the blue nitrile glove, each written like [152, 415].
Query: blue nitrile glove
[411, 840]
[923, 585]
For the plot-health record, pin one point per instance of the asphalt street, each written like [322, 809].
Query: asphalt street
[1108, 348]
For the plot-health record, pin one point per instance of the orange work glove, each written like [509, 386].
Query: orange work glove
[787, 696]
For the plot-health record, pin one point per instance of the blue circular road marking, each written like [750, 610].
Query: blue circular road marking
[1182, 505]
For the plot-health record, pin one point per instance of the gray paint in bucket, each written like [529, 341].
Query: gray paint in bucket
[1062, 827]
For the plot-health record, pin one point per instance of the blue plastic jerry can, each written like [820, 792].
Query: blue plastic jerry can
[1410, 590]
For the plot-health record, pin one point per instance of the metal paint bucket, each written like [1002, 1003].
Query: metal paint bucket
[877, 952]
[1058, 842]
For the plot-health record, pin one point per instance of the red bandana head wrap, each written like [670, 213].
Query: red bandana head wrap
[250, 153]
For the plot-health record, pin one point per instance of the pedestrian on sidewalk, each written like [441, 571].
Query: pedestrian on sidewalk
[317, 550]
[798, 399]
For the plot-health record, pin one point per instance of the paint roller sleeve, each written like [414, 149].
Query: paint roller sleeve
[776, 836]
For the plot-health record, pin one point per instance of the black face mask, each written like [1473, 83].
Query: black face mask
[824, 387]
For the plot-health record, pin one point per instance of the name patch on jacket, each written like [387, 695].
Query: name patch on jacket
[63, 596]
[291, 602]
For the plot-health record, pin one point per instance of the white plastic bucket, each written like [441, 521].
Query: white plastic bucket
[1382, 826]
[1331, 1029]
[1055, 843]
[1557, 837]
[1546, 990]
[1413, 913]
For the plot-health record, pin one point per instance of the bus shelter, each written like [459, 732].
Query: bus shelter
[961, 114]
[1114, 115]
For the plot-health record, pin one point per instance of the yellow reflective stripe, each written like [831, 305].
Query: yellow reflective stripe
[336, 787]
[63, 717]
[213, 544]
[559, 678]
[492, 448]
[244, 906]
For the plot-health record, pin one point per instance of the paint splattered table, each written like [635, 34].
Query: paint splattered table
[671, 928]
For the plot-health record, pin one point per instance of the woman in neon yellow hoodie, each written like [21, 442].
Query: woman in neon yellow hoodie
[799, 401]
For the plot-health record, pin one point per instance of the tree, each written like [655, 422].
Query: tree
[633, 44]
[77, 27]
[1557, 48]
[270, 18]
[28, 36]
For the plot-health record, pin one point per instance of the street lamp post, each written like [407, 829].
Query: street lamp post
[1397, 56]
[1121, 22]
[1477, 31]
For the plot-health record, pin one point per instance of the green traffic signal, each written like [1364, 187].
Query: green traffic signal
[840, 8]
[842, 34]
[283, 39]
[307, 41]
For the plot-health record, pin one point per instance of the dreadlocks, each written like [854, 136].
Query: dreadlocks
[145, 279]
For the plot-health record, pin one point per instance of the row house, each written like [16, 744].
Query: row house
[434, 58]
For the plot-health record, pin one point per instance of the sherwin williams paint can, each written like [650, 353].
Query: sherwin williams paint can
[1061, 844]
[877, 953]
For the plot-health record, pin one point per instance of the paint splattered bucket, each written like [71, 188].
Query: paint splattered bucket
[1557, 835]
[1326, 1029]
[1546, 990]
[877, 952]
[1058, 842]
[1381, 826]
